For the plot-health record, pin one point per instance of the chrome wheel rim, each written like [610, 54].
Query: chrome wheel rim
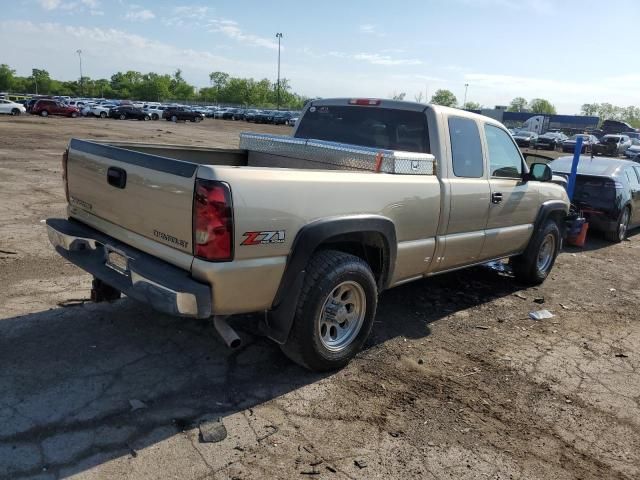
[622, 228]
[342, 316]
[545, 254]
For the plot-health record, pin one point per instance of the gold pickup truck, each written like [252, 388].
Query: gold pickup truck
[365, 195]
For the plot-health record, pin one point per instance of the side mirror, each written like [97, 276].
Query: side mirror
[540, 172]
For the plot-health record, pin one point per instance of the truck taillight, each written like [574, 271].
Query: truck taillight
[212, 221]
[65, 159]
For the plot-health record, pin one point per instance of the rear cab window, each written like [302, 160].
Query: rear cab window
[367, 126]
[466, 148]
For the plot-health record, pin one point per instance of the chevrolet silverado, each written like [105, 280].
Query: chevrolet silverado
[364, 195]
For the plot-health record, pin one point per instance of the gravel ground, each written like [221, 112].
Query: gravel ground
[456, 381]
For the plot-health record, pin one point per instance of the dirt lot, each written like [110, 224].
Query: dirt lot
[456, 381]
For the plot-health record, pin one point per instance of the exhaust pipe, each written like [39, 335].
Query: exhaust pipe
[227, 333]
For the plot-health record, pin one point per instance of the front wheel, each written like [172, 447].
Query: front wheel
[15, 112]
[335, 312]
[620, 233]
[154, 116]
[103, 114]
[146, 118]
[74, 114]
[122, 116]
[174, 118]
[44, 113]
[533, 266]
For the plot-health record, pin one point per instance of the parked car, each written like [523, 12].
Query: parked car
[127, 112]
[250, 115]
[266, 116]
[209, 236]
[550, 140]
[174, 114]
[102, 110]
[12, 108]
[293, 120]
[240, 113]
[612, 145]
[46, 107]
[588, 141]
[634, 136]
[281, 118]
[525, 139]
[607, 191]
[154, 111]
[633, 153]
[220, 112]
[229, 114]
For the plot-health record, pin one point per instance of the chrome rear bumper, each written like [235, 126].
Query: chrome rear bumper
[146, 278]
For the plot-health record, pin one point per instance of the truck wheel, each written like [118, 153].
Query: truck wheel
[534, 265]
[335, 312]
[620, 233]
[101, 292]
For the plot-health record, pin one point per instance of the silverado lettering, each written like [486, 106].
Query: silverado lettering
[170, 238]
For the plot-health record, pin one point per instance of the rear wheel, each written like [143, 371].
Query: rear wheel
[154, 116]
[335, 312]
[122, 116]
[44, 113]
[197, 119]
[174, 118]
[146, 118]
[74, 114]
[533, 266]
[620, 233]
[103, 114]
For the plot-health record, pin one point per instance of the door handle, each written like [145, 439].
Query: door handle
[496, 197]
[117, 177]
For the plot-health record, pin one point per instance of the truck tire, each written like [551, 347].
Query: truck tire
[101, 292]
[619, 234]
[534, 265]
[335, 312]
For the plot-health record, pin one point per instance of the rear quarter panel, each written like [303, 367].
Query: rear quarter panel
[284, 200]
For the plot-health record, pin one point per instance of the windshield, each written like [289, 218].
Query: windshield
[390, 129]
[611, 139]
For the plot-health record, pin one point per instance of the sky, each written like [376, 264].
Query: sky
[569, 52]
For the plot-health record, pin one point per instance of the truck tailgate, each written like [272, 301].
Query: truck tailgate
[142, 193]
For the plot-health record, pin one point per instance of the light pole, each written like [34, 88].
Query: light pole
[279, 37]
[466, 87]
[79, 52]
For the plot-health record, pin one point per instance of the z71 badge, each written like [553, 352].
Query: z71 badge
[264, 238]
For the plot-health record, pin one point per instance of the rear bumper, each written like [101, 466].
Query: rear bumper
[164, 287]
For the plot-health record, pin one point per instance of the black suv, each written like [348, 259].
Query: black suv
[173, 114]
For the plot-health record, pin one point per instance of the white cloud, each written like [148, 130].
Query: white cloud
[370, 29]
[232, 29]
[91, 3]
[376, 58]
[49, 4]
[140, 15]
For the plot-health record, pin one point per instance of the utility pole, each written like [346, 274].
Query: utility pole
[466, 87]
[279, 37]
[79, 52]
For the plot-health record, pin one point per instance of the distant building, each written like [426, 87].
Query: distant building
[566, 123]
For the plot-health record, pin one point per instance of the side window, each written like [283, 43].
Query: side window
[632, 176]
[637, 169]
[504, 156]
[466, 149]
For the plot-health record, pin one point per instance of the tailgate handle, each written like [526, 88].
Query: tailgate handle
[117, 177]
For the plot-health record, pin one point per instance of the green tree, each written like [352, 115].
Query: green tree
[518, 104]
[444, 97]
[472, 106]
[540, 105]
[6, 77]
[589, 109]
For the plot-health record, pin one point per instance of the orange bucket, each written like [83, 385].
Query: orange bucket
[580, 239]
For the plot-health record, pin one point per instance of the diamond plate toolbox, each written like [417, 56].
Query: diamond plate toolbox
[340, 154]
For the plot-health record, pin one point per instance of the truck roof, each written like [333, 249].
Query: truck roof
[410, 106]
